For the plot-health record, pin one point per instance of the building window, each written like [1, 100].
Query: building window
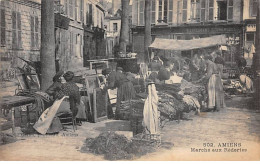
[211, 10]
[71, 44]
[170, 11]
[34, 32]
[2, 27]
[222, 10]
[115, 27]
[141, 13]
[202, 10]
[253, 8]
[153, 12]
[230, 9]
[16, 30]
[195, 9]
[89, 14]
[184, 10]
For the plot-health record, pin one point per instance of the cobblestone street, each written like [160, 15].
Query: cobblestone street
[236, 127]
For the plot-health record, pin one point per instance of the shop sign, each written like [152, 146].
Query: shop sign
[251, 28]
[232, 40]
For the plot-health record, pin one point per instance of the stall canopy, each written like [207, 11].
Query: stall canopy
[180, 45]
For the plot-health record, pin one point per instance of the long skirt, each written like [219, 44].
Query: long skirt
[215, 92]
[50, 123]
[125, 92]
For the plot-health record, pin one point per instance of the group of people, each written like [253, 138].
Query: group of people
[49, 123]
[206, 69]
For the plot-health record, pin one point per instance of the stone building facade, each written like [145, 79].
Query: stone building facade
[20, 32]
[188, 19]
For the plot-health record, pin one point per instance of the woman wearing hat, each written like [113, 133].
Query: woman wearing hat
[72, 90]
[125, 88]
[56, 86]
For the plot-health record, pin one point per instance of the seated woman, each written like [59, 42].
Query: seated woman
[48, 122]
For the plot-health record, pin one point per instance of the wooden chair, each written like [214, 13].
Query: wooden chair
[68, 119]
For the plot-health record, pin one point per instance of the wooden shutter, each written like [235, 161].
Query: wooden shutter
[230, 10]
[36, 34]
[203, 10]
[14, 35]
[19, 28]
[2, 28]
[170, 10]
[32, 32]
[153, 21]
[184, 10]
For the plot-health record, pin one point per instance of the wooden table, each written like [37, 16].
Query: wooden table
[97, 61]
[9, 103]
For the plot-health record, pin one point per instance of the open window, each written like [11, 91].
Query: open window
[222, 9]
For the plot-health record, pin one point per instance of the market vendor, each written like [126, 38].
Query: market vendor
[220, 63]
[155, 65]
[72, 90]
[56, 86]
[48, 121]
[125, 88]
[214, 86]
[165, 71]
[194, 68]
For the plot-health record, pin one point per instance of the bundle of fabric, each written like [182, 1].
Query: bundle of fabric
[191, 101]
[6, 138]
[197, 91]
[170, 107]
[171, 89]
[115, 147]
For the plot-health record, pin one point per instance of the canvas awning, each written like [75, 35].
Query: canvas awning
[180, 45]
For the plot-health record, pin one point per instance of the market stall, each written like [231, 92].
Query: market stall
[176, 94]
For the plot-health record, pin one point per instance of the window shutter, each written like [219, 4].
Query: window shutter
[32, 32]
[230, 9]
[66, 7]
[36, 32]
[170, 19]
[184, 10]
[90, 14]
[153, 21]
[2, 29]
[14, 35]
[203, 10]
[19, 30]
[82, 11]
[71, 8]
[211, 9]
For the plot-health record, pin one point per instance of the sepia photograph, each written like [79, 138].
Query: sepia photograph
[130, 80]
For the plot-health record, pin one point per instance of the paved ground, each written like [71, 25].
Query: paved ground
[237, 125]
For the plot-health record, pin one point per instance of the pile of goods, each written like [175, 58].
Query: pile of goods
[116, 147]
[6, 138]
[174, 101]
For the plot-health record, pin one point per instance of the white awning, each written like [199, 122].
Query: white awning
[181, 45]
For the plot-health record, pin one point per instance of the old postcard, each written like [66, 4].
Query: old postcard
[130, 80]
